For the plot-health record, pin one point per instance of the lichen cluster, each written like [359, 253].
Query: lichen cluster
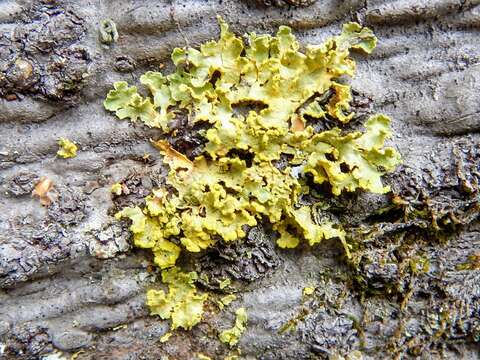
[237, 181]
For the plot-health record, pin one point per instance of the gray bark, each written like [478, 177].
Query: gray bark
[69, 279]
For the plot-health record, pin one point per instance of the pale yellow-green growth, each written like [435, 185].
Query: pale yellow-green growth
[203, 357]
[116, 189]
[67, 148]
[166, 337]
[260, 97]
[182, 303]
[224, 283]
[232, 336]
[309, 290]
[232, 356]
[151, 233]
[226, 300]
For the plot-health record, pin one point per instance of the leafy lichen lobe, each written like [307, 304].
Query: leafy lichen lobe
[236, 183]
[67, 148]
[232, 336]
[182, 304]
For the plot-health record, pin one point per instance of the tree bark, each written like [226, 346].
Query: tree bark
[71, 284]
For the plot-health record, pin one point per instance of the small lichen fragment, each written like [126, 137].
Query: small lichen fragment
[226, 300]
[232, 336]
[116, 189]
[108, 32]
[203, 357]
[182, 304]
[357, 37]
[67, 148]
[166, 337]
[224, 283]
[308, 290]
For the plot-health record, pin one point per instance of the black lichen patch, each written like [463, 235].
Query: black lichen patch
[136, 185]
[281, 3]
[187, 138]
[124, 64]
[44, 56]
[423, 201]
[238, 261]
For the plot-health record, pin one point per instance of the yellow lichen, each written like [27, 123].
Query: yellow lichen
[232, 336]
[67, 148]
[182, 303]
[224, 283]
[226, 300]
[166, 337]
[309, 290]
[116, 189]
[236, 182]
[203, 357]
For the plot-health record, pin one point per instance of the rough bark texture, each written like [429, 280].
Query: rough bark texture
[70, 281]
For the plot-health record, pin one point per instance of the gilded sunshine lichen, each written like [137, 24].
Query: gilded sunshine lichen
[236, 182]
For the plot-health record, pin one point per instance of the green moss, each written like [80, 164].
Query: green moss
[235, 183]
